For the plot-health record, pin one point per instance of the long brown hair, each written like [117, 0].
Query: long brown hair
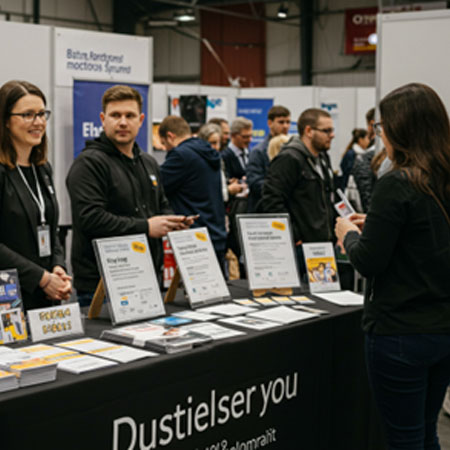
[10, 93]
[357, 134]
[416, 124]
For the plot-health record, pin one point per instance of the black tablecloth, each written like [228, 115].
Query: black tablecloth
[299, 386]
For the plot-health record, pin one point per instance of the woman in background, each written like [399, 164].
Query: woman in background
[28, 207]
[275, 145]
[403, 247]
[357, 146]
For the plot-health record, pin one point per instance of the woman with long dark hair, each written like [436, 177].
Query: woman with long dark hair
[403, 247]
[28, 206]
[356, 147]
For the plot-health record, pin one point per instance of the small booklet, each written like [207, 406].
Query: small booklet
[251, 323]
[171, 321]
[342, 298]
[303, 299]
[96, 347]
[246, 302]
[156, 337]
[266, 301]
[283, 300]
[283, 314]
[227, 309]
[214, 331]
[196, 315]
[68, 360]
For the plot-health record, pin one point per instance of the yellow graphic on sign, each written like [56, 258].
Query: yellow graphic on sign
[278, 225]
[138, 247]
[201, 236]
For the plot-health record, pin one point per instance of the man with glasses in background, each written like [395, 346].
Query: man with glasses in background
[235, 157]
[300, 181]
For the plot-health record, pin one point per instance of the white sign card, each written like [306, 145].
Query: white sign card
[269, 251]
[54, 322]
[83, 54]
[129, 276]
[198, 265]
[321, 267]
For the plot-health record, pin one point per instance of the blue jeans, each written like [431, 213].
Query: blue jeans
[409, 375]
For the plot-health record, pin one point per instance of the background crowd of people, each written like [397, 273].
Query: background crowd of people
[399, 237]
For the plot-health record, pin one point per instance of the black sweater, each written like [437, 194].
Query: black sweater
[111, 195]
[404, 251]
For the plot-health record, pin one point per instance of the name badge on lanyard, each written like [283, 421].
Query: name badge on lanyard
[43, 230]
[45, 248]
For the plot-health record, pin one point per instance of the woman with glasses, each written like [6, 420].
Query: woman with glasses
[403, 247]
[28, 205]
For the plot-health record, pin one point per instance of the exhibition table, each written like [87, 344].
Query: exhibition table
[298, 386]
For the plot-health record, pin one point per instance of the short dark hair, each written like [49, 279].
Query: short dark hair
[370, 115]
[310, 117]
[217, 120]
[121, 92]
[278, 111]
[10, 93]
[176, 125]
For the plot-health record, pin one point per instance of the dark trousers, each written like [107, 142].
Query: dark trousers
[409, 375]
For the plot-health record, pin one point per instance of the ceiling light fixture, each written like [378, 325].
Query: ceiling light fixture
[184, 16]
[282, 11]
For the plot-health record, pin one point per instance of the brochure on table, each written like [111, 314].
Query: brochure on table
[199, 268]
[55, 321]
[321, 267]
[12, 320]
[269, 251]
[129, 277]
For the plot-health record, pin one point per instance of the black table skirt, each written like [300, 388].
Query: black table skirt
[300, 386]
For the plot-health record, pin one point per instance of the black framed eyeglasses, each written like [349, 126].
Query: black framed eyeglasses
[378, 127]
[30, 116]
[324, 130]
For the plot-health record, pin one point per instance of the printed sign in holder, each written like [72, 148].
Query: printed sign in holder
[197, 269]
[274, 228]
[128, 280]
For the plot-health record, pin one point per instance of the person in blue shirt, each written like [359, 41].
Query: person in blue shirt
[191, 177]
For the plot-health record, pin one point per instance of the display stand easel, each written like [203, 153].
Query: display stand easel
[97, 301]
[279, 291]
[174, 284]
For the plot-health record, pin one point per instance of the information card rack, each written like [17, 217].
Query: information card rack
[266, 240]
[198, 268]
[128, 280]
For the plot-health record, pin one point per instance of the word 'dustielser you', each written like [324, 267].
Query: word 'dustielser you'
[189, 418]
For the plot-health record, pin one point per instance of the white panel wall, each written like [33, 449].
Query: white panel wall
[427, 34]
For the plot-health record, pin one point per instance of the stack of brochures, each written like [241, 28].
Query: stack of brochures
[29, 370]
[8, 381]
[67, 360]
[156, 337]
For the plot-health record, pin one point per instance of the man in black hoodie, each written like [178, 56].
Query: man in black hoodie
[115, 190]
[191, 176]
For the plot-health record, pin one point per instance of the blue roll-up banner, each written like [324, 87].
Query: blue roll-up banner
[87, 104]
[256, 110]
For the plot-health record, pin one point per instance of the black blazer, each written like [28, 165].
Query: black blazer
[18, 233]
[233, 168]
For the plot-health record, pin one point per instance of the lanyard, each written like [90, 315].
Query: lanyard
[39, 200]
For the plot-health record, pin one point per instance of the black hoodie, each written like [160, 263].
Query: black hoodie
[111, 195]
